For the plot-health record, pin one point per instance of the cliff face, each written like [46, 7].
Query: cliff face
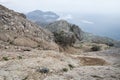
[17, 30]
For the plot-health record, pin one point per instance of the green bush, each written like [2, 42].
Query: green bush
[70, 66]
[95, 48]
[65, 69]
[5, 58]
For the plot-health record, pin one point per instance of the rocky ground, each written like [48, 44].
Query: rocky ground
[34, 64]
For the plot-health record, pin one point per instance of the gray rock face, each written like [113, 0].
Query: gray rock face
[42, 18]
[69, 31]
[17, 30]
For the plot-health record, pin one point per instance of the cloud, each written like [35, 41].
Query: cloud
[4, 1]
[87, 22]
[77, 6]
[66, 17]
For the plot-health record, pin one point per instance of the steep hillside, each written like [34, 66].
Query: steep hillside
[15, 29]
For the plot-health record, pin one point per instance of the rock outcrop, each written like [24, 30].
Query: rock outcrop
[17, 30]
[71, 32]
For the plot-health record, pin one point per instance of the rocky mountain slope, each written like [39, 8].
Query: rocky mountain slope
[70, 30]
[17, 30]
[28, 52]
[42, 18]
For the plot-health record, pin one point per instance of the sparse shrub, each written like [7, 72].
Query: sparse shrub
[95, 48]
[65, 69]
[11, 42]
[43, 70]
[26, 49]
[110, 44]
[15, 37]
[70, 66]
[5, 58]
[20, 57]
[39, 45]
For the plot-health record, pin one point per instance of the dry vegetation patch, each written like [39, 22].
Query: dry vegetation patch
[90, 61]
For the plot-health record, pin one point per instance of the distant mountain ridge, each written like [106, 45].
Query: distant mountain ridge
[106, 25]
[42, 18]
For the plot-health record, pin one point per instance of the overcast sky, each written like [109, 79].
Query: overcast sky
[76, 6]
[101, 16]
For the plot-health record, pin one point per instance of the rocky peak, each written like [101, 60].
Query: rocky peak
[66, 34]
[63, 25]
